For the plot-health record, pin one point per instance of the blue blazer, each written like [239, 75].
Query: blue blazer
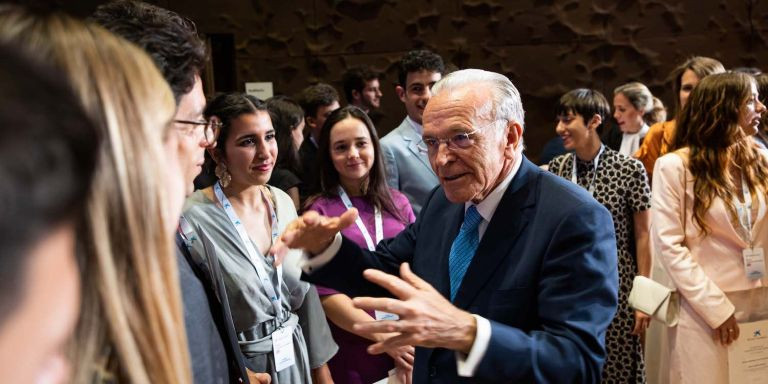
[544, 274]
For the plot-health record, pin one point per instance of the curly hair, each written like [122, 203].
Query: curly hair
[415, 61]
[708, 126]
[170, 39]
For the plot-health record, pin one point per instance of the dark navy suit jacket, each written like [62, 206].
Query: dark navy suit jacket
[544, 274]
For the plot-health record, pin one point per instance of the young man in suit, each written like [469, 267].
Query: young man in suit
[408, 168]
[509, 274]
[317, 101]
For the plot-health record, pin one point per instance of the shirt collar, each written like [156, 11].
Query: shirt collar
[641, 133]
[416, 126]
[488, 206]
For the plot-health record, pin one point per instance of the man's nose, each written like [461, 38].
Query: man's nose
[442, 154]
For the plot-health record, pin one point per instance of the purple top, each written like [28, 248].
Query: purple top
[353, 364]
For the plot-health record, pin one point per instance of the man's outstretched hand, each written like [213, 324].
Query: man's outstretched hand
[311, 232]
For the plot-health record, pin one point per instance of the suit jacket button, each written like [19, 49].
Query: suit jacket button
[432, 371]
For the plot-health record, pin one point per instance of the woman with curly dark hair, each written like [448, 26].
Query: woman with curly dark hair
[709, 221]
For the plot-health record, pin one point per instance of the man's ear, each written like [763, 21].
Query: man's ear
[514, 135]
[400, 91]
[355, 96]
[594, 122]
[311, 122]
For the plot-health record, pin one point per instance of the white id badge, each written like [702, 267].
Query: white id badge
[754, 262]
[380, 315]
[282, 347]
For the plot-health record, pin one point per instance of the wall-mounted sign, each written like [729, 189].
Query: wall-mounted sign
[262, 90]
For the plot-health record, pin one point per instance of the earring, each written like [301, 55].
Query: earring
[221, 172]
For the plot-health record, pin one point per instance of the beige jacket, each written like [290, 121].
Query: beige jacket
[702, 268]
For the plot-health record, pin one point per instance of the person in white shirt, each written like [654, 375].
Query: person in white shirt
[631, 103]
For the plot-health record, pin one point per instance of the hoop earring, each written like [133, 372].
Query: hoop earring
[224, 176]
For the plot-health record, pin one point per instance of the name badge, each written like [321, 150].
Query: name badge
[282, 347]
[754, 262]
[391, 377]
[380, 315]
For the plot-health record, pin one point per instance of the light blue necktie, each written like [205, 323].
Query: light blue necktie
[463, 248]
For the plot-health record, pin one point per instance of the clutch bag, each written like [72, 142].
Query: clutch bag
[654, 299]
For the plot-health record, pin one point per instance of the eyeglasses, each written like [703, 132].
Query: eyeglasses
[462, 140]
[211, 128]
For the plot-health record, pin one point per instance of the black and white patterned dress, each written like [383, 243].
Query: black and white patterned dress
[621, 186]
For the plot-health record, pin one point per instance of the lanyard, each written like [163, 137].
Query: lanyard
[745, 210]
[359, 221]
[591, 186]
[253, 253]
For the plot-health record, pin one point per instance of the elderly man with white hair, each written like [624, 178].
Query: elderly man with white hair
[508, 274]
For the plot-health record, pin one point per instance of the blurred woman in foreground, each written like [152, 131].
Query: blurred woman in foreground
[131, 326]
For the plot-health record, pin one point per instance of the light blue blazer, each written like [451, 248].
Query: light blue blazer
[408, 168]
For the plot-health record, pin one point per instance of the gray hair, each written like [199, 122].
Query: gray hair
[505, 100]
[638, 95]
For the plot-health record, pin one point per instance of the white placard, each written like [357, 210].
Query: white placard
[262, 90]
[282, 346]
[748, 356]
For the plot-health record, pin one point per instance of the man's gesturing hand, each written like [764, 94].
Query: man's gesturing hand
[427, 319]
[311, 232]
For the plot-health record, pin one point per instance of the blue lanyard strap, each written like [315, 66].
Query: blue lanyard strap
[253, 253]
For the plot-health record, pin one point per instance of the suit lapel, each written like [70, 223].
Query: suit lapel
[412, 139]
[507, 223]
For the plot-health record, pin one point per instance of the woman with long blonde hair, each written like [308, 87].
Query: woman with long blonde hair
[708, 218]
[131, 326]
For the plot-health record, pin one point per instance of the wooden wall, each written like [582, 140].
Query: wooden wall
[546, 47]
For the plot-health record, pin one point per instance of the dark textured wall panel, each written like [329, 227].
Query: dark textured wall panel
[545, 46]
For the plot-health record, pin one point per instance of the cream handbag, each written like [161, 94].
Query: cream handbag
[655, 299]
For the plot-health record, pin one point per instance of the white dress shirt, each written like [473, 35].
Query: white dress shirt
[630, 142]
[416, 126]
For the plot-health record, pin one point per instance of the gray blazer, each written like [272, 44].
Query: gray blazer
[408, 168]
